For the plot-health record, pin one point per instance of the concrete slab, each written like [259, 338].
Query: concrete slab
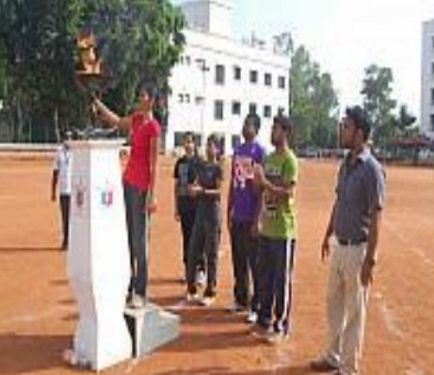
[150, 328]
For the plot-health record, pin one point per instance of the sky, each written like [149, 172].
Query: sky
[345, 36]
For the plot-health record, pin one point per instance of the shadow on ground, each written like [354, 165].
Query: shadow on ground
[291, 370]
[31, 353]
[21, 249]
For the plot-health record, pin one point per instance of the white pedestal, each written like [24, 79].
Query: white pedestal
[151, 327]
[98, 256]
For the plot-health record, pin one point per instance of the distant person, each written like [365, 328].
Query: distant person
[205, 238]
[139, 184]
[61, 182]
[355, 223]
[185, 204]
[277, 180]
[242, 216]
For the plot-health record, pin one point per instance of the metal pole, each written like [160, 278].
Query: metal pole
[202, 115]
[204, 68]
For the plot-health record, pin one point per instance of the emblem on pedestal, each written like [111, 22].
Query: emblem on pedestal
[107, 197]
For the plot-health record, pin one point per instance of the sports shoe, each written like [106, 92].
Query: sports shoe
[200, 278]
[207, 301]
[260, 331]
[275, 338]
[252, 317]
[137, 301]
[193, 297]
[236, 307]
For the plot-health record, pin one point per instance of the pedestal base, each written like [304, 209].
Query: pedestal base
[150, 328]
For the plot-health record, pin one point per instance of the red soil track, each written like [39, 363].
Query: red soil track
[38, 313]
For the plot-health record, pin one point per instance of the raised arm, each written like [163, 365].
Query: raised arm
[111, 117]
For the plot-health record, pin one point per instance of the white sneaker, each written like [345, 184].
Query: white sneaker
[275, 338]
[207, 301]
[201, 278]
[138, 301]
[252, 317]
[260, 332]
[193, 297]
[236, 307]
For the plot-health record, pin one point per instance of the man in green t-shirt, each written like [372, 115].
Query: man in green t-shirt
[277, 227]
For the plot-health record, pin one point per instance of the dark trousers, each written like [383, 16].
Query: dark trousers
[187, 222]
[137, 225]
[65, 204]
[244, 258]
[204, 242]
[276, 262]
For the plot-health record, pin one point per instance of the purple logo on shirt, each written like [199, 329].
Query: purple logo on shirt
[244, 197]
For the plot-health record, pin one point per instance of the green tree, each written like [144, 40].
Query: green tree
[378, 103]
[138, 40]
[405, 122]
[2, 71]
[313, 103]
[40, 68]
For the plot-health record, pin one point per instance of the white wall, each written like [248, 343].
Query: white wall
[197, 14]
[211, 16]
[427, 77]
[188, 79]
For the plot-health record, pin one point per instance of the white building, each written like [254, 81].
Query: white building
[427, 115]
[220, 80]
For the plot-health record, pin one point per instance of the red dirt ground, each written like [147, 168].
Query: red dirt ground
[38, 313]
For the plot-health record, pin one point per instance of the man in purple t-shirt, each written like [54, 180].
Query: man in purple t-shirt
[243, 212]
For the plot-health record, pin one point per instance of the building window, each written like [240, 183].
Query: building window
[187, 60]
[252, 109]
[282, 82]
[267, 111]
[220, 74]
[432, 69]
[178, 139]
[218, 110]
[280, 111]
[237, 73]
[181, 98]
[432, 96]
[254, 76]
[267, 79]
[236, 108]
[187, 98]
[432, 42]
[236, 140]
[432, 123]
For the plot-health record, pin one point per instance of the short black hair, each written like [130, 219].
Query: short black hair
[360, 119]
[285, 123]
[255, 119]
